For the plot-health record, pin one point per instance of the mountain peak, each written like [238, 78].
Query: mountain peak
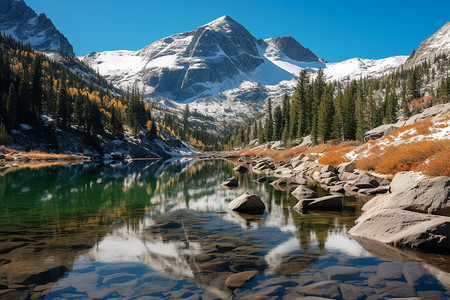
[436, 44]
[21, 22]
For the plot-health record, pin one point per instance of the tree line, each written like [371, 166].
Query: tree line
[337, 111]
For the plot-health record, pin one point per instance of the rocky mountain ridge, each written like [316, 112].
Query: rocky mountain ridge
[22, 23]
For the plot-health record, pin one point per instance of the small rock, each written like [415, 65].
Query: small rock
[302, 192]
[239, 279]
[261, 179]
[328, 168]
[346, 167]
[231, 183]
[342, 273]
[241, 169]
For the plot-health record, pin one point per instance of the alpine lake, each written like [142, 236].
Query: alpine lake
[160, 229]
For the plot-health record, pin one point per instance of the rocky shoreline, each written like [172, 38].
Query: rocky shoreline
[408, 211]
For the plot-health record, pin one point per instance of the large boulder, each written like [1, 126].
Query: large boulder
[231, 182]
[328, 168]
[332, 202]
[429, 196]
[241, 169]
[380, 131]
[247, 203]
[302, 192]
[404, 228]
[403, 180]
[346, 167]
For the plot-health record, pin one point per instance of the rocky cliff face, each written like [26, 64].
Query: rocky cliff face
[438, 43]
[216, 57]
[21, 22]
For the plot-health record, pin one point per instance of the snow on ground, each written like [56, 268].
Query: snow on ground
[439, 130]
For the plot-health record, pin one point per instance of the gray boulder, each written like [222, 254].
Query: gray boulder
[346, 167]
[346, 176]
[328, 168]
[285, 183]
[379, 131]
[302, 192]
[332, 202]
[327, 174]
[337, 189]
[375, 191]
[240, 169]
[429, 196]
[307, 141]
[366, 181]
[403, 180]
[247, 203]
[404, 229]
[297, 160]
[231, 182]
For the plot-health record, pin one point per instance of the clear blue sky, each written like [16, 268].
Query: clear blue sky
[334, 30]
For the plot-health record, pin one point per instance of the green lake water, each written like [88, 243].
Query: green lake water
[154, 229]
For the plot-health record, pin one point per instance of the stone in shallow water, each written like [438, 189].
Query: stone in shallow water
[239, 279]
[397, 289]
[350, 291]
[435, 295]
[247, 203]
[342, 273]
[390, 270]
[417, 276]
[328, 289]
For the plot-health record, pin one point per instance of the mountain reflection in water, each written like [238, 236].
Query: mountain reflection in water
[161, 230]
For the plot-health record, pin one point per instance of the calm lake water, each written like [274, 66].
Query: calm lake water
[153, 229]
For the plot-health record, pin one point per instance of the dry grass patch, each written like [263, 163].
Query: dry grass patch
[284, 155]
[336, 154]
[424, 156]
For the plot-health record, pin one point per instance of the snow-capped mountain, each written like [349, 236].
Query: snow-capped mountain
[216, 57]
[436, 44]
[22, 23]
[222, 64]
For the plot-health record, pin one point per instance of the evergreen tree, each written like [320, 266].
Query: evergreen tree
[186, 121]
[297, 100]
[325, 118]
[268, 128]
[62, 106]
[413, 85]
[348, 112]
[12, 106]
[277, 123]
[36, 86]
[261, 137]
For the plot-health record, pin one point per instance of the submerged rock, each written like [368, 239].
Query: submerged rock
[247, 203]
[239, 279]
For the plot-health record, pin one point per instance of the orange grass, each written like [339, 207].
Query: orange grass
[284, 155]
[336, 155]
[409, 157]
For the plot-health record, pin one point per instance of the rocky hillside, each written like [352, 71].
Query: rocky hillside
[435, 45]
[18, 20]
